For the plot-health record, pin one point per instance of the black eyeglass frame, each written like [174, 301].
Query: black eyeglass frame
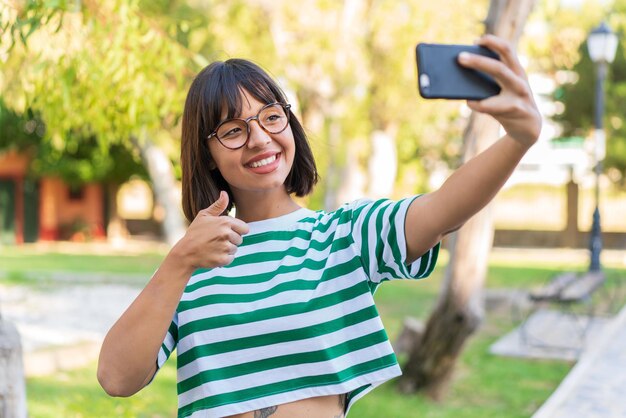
[285, 106]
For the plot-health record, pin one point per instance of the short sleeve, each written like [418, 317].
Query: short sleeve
[169, 343]
[379, 235]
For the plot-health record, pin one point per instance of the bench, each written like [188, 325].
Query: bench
[566, 289]
[569, 287]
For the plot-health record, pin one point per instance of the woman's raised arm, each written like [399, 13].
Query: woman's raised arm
[474, 184]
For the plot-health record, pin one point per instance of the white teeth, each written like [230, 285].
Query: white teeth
[263, 162]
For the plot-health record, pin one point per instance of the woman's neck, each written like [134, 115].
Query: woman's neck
[260, 206]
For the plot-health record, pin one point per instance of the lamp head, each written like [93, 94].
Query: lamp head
[602, 44]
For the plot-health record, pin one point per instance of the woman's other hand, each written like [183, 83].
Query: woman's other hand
[212, 238]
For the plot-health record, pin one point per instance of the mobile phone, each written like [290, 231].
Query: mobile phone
[440, 76]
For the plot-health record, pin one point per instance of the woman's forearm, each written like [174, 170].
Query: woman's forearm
[130, 349]
[462, 195]
[471, 187]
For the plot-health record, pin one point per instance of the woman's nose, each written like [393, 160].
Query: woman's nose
[258, 136]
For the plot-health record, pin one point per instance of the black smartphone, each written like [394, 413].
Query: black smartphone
[440, 76]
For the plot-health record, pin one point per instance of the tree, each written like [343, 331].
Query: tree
[12, 384]
[459, 310]
[353, 75]
[577, 96]
[103, 73]
[358, 93]
[425, 137]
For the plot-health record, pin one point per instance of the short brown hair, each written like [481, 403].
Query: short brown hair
[215, 88]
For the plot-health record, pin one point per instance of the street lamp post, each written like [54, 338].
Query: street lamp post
[602, 45]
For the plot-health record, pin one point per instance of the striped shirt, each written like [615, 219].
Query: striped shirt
[293, 316]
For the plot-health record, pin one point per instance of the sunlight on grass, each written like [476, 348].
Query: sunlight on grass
[14, 259]
[77, 394]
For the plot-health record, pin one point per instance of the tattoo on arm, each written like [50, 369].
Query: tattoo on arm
[265, 412]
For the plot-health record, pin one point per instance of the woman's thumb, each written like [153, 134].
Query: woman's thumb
[219, 206]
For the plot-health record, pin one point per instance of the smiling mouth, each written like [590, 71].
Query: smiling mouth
[264, 162]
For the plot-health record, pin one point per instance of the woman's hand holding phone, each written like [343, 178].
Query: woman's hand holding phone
[489, 76]
[514, 107]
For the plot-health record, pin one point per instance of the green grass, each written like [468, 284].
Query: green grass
[76, 394]
[16, 259]
[484, 385]
[34, 267]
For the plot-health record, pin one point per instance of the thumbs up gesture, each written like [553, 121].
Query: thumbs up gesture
[212, 238]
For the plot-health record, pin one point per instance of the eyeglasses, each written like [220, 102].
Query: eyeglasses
[234, 133]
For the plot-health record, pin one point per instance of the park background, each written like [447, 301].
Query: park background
[91, 99]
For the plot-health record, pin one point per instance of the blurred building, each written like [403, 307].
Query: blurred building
[46, 209]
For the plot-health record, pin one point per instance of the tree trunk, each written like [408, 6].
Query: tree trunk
[164, 186]
[12, 384]
[354, 178]
[332, 181]
[116, 226]
[383, 163]
[459, 311]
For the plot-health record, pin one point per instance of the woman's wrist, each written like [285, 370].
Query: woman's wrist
[178, 260]
[521, 147]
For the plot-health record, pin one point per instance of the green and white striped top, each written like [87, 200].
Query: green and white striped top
[293, 316]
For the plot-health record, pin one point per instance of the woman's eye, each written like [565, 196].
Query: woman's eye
[231, 133]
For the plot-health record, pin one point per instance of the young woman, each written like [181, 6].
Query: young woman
[271, 311]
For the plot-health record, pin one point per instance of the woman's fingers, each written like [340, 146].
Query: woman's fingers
[239, 226]
[496, 105]
[235, 238]
[505, 50]
[514, 107]
[231, 249]
[504, 75]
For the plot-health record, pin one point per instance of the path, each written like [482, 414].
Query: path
[63, 328]
[596, 386]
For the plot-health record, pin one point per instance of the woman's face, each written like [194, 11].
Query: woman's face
[260, 166]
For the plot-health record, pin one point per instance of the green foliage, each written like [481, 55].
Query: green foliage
[578, 99]
[77, 162]
[111, 70]
[27, 17]
[106, 73]
[87, 161]
[569, 30]
[123, 76]
[555, 31]
[429, 132]
[19, 131]
[577, 118]
[97, 74]
[354, 73]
